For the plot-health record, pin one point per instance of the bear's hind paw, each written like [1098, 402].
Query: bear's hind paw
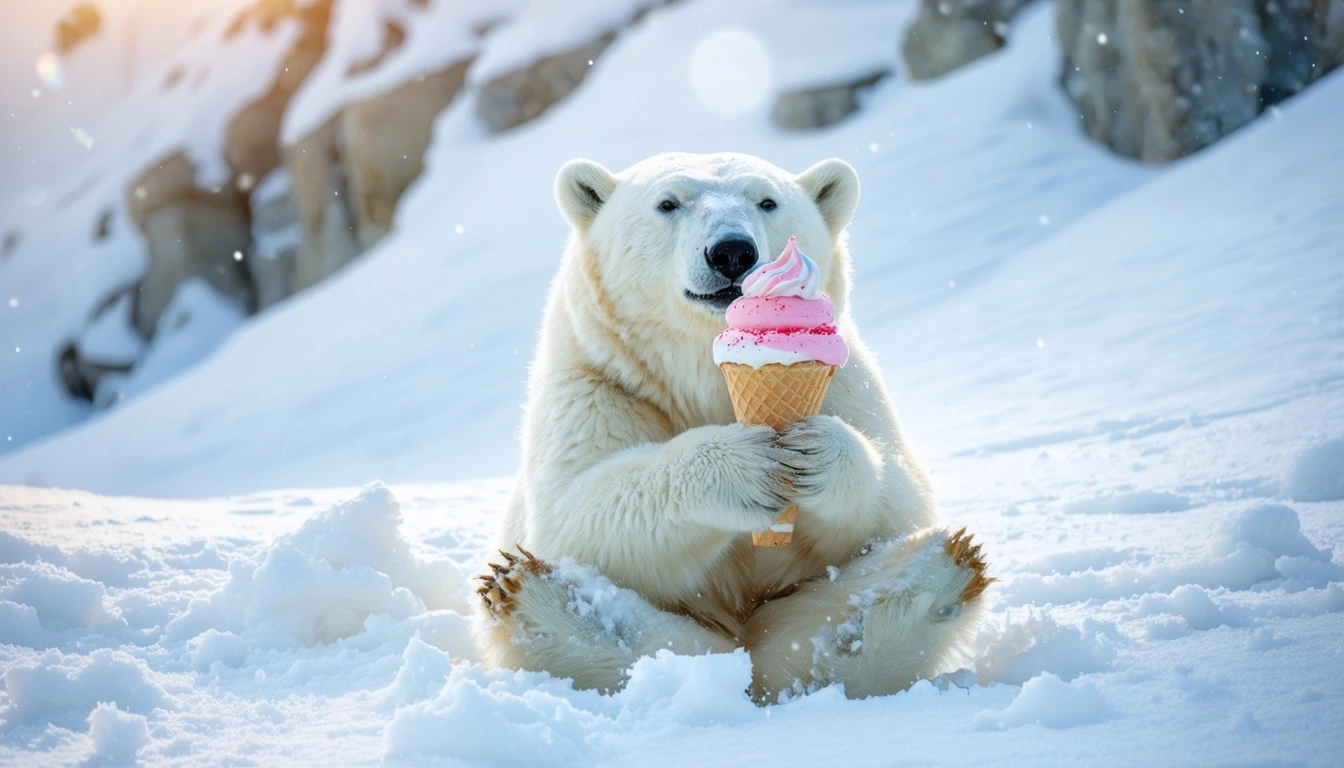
[964, 555]
[502, 584]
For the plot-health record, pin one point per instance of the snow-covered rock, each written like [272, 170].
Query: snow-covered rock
[1157, 81]
[537, 59]
[818, 106]
[948, 34]
[276, 233]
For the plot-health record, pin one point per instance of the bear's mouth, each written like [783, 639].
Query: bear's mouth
[719, 299]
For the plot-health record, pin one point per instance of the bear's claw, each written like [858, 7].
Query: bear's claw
[958, 547]
[502, 584]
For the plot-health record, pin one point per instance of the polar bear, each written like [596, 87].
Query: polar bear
[627, 531]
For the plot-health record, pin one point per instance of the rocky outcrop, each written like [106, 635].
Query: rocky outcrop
[322, 195]
[188, 232]
[384, 140]
[520, 96]
[10, 243]
[77, 25]
[950, 33]
[252, 137]
[348, 175]
[276, 233]
[107, 348]
[806, 109]
[1156, 80]
[510, 99]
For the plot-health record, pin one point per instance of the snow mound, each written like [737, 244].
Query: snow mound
[321, 583]
[117, 736]
[1050, 702]
[1263, 639]
[62, 689]
[1262, 547]
[1317, 474]
[1271, 528]
[59, 599]
[424, 670]
[1021, 650]
[534, 719]
[1194, 605]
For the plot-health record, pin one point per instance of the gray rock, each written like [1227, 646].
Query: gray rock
[276, 233]
[251, 138]
[107, 348]
[1156, 80]
[189, 232]
[383, 141]
[348, 175]
[1330, 32]
[191, 239]
[79, 24]
[811, 108]
[950, 33]
[524, 94]
[321, 193]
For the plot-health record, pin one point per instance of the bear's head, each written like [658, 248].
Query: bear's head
[673, 236]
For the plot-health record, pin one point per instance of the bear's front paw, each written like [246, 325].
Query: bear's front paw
[742, 477]
[836, 466]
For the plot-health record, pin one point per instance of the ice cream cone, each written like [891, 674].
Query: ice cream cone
[777, 395]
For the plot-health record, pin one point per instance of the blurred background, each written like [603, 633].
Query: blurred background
[263, 243]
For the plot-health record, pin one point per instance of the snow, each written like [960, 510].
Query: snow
[111, 339]
[179, 78]
[542, 29]
[1317, 474]
[196, 321]
[1049, 702]
[436, 36]
[117, 736]
[1158, 484]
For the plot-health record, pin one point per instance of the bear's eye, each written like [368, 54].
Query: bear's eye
[768, 205]
[668, 206]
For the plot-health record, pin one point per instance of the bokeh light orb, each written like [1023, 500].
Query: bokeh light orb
[48, 69]
[730, 70]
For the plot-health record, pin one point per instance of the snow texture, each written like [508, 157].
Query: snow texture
[1127, 382]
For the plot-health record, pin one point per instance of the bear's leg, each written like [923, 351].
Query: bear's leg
[896, 614]
[571, 621]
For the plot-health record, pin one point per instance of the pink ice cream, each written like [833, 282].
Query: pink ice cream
[782, 317]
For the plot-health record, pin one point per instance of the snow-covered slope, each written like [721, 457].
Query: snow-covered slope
[1127, 382]
[73, 243]
[410, 365]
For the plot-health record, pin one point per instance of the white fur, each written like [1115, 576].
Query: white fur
[633, 465]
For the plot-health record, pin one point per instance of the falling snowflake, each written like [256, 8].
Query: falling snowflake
[459, 229]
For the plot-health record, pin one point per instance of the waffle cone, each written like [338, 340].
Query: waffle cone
[777, 395]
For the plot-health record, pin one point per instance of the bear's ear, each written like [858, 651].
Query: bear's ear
[834, 185]
[582, 187]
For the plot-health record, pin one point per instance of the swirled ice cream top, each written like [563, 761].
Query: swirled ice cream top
[782, 317]
[792, 274]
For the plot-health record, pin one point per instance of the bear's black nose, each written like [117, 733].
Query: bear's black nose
[731, 258]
